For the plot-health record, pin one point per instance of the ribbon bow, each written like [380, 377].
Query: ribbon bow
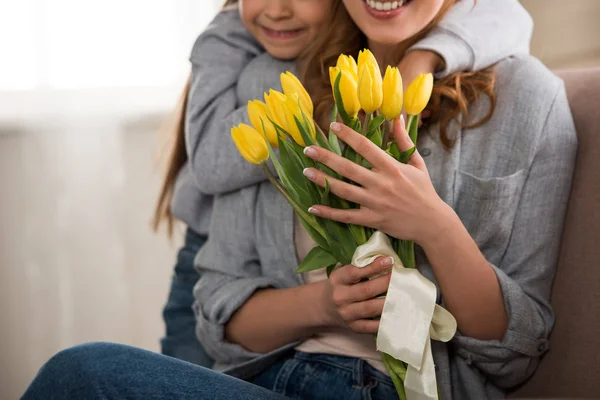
[409, 320]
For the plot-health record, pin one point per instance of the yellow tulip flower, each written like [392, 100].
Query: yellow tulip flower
[348, 90]
[348, 64]
[370, 92]
[365, 57]
[417, 94]
[257, 113]
[291, 84]
[251, 144]
[392, 93]
[274, 101]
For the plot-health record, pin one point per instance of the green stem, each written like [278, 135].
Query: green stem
[308, 218]
[365, 127]
[365, 130]
[412, 127]
[386, 135]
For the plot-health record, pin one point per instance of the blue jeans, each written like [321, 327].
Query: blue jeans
[114, 371]
[180, 340]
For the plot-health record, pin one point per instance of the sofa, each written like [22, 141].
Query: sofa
[571, 369]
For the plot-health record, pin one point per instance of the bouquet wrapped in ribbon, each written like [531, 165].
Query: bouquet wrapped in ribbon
[411, 317]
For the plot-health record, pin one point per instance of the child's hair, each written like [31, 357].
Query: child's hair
[175, 128]
[450, 98]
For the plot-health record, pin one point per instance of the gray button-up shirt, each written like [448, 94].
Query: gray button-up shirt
[509, 183]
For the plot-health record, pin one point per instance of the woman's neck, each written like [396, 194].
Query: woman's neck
[383, 52]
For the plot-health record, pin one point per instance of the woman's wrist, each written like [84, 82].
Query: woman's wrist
[441, 227]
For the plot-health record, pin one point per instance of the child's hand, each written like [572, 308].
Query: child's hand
[350, 299]
[419, 62]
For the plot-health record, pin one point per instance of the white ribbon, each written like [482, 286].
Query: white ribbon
[409, 320]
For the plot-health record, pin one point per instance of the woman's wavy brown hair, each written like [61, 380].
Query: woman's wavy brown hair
[451, 95]
[174, 129]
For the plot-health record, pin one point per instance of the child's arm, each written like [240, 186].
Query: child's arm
[219, 167]
[220, 55]
[475, 35]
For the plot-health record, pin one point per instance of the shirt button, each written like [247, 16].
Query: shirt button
[425, 152]
[541, 347]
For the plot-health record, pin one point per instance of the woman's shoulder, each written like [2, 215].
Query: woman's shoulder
[527, 82]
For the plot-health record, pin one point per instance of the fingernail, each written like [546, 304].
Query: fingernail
[335, 126]
[402, 119]
[314, 211]
[309, 173]
[388, 261]
[310, 152]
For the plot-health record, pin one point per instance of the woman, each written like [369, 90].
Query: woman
[507, 180]
[253, 66]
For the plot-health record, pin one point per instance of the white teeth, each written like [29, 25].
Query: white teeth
[385, 6]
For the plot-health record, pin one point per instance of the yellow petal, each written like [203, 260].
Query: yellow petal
[348, 64]
[365, 57]
[418, 93]
[257, 113]
[250, 144]
[274, 101]
[291, 84]
[370, 92]
[392, 93]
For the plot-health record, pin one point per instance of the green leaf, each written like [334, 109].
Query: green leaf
[317, 258]
[340, 238]
[334, 143]
[375, 123]
[394, 151]
[405, 155]
[308, 140]
[293, 169]
[339, 102]
[320, 240]
[397, 371]
[375, 137]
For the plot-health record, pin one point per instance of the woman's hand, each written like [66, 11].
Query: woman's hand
[350, 300]
[398, 199]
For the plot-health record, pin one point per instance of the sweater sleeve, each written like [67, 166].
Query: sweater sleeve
[217, 164]
[230, 273]
[527, 269]
[219, 58]
[477, 34]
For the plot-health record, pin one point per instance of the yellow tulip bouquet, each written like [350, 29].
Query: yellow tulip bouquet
[285, 121]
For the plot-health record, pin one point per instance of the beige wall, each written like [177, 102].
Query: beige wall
[567, 32]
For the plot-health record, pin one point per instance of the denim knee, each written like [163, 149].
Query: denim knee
[71, 373]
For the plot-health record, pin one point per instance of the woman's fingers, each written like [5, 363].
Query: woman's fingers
[362, 310]
[364, 326]
[350, 274]
[342, 166]
[363, 146]
[356, 216]
[353, 193]
[404, 143]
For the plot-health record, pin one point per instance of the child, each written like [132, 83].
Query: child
[239, 57]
